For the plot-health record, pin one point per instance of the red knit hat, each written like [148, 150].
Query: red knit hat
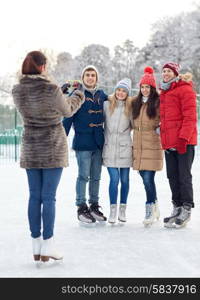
[148, 77]
[173, 66]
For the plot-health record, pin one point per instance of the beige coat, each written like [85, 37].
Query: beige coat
[117, 150]
[42, 106]
[147, 151]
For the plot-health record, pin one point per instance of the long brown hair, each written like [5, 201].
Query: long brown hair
[152, 104]
[32, 62]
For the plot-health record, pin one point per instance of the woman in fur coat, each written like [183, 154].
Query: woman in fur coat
[44, 147]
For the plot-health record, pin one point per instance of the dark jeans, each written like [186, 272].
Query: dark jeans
[149, 184]
[117, 174]
[89, 169]
[43, 184]
[179, 175]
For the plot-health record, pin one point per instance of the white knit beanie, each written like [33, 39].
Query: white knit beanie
[90, 67]
[124, 84]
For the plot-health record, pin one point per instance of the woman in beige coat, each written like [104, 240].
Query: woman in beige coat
[44, 147]
[117, 150]
[147, 151]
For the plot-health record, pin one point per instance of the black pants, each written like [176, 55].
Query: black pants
[179, 174]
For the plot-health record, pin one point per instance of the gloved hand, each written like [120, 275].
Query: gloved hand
[77, 85]
[181, 146]
[65, 88]
[79, 93]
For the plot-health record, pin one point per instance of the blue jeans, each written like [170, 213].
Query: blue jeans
[89, 169]
[43, 184]
[117, 174]
[149, 184]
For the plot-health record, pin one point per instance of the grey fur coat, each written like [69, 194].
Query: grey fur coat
[42, 106]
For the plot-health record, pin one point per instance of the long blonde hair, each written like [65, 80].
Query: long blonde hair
[113, 103]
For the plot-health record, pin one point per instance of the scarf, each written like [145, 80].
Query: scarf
[92, 91]
[144, 99]
[166, 85]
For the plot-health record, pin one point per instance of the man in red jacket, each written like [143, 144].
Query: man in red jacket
[178, 114]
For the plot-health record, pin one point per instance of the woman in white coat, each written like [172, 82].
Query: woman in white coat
[117, 151]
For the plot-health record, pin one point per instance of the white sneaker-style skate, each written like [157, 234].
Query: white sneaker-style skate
[36, 246]
[150, 215]
[113, 214]
[48, 251]
[122, 213]
[157, 211]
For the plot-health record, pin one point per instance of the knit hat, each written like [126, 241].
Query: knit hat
[124, 84]
[148, 77]
[88, 68]
[173, 66]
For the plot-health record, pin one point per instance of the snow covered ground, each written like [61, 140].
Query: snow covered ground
[128, 250]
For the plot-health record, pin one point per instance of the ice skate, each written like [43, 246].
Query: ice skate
[150, 215]
[169, 222]
[96, 213]
[36, 246]
[184, 216]
[157, 211]
[48, 251]
[113, 214]
[122, 213]
[84, 214]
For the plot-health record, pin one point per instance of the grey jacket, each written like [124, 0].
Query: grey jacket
[42, 106]
[117, 150]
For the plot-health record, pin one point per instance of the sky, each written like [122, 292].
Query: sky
[69, 26]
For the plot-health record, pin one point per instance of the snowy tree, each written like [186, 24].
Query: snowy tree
[123, 62]
[96, 55]
[193, 49]
[174, 39]
[64, 68]
[168, 41]
[51, 60]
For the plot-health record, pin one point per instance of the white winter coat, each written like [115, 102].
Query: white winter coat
[117, 150]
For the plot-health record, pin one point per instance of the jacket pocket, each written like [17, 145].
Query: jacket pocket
[125, 150]
[105, 152]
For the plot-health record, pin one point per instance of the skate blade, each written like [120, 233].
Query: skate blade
[48, 264]
[121, 221]
[169, 225]
[147, 225]
[182, 225]
[101, 223]
[87, 225]
[112, 223]
[99, 219]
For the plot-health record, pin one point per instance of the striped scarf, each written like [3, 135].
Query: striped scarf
[166, 85]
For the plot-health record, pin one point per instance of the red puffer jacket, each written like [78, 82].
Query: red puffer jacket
[178, 114]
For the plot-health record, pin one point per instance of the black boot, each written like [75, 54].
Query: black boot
[184, 216]
[84, 214]
[96, 213]
[169, 221]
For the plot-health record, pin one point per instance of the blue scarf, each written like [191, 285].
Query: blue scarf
[166, 85]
